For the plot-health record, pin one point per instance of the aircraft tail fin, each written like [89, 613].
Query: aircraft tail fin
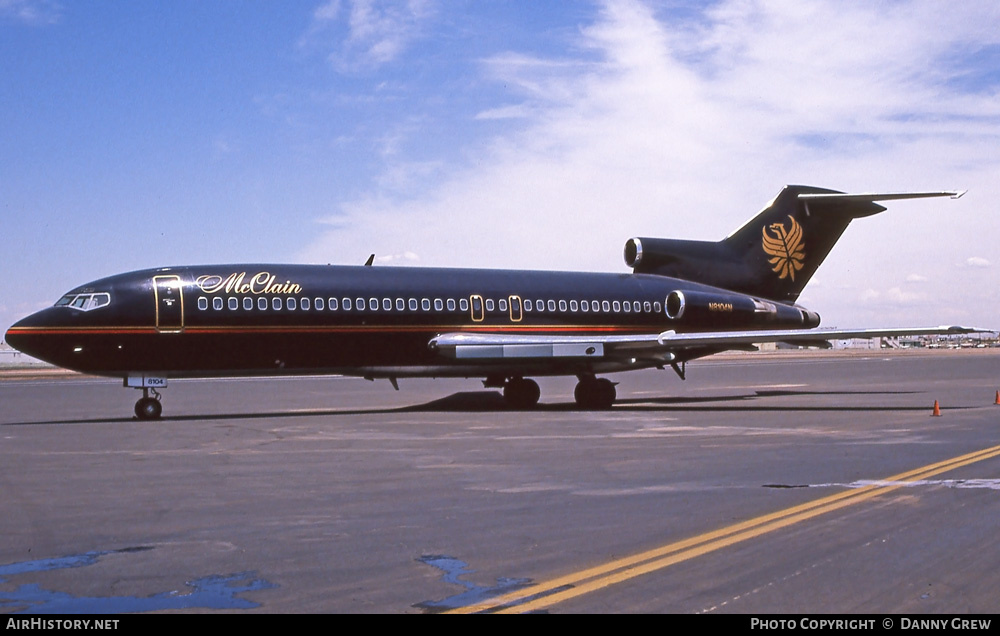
[775, 253]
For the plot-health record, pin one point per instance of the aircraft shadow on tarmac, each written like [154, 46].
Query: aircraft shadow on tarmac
[474, 401]
[492, 401]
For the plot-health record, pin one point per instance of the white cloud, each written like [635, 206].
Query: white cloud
[664, 127]
[898, 296]
[892, 297]
[395, 258]
[37, 12]
[517, 111]
[977, 261]
[327, 12]
[369, 33]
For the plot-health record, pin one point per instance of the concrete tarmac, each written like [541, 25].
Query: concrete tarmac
[342, 495]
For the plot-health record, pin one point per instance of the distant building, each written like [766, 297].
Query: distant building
[10, 357]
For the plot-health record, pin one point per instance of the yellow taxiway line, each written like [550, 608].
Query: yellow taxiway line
[566, 587]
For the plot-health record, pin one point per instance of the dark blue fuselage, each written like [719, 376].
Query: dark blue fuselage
[254, 319]
[268, 319]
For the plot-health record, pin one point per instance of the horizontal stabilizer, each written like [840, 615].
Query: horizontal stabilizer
[872, 196]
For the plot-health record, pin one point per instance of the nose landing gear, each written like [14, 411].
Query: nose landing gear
[149, 408]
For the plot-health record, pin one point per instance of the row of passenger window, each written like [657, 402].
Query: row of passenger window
[335, 304]
[387, 304]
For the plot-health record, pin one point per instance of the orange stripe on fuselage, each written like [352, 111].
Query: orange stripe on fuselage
[69, 331]
[543, 329]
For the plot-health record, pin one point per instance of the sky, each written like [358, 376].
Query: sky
[514, 134]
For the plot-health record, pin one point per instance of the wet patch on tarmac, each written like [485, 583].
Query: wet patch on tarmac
[474, 593]
[210, 592]
[989, 484]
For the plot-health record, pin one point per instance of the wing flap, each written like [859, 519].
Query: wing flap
[499, 351]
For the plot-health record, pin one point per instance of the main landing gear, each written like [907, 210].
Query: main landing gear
[596, 394]
[591, 393]
[521, 394]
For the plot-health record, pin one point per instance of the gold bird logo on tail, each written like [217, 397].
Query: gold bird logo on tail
[785, 246]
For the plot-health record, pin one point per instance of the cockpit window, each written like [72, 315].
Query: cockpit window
[85, 302]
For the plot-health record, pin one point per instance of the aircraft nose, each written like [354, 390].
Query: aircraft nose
[22, 335]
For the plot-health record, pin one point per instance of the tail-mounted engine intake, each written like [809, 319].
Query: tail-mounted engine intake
[702, 261]
[633, 252]
[698, 308]
[648, 255]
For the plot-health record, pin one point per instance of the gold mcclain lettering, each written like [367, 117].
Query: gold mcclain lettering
[260, 283]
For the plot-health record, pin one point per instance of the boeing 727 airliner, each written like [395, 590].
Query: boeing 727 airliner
[683, 300]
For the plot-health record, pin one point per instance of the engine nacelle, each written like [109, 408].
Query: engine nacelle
[633, 252]
[647, 255]
[700, 308]
[703, 261]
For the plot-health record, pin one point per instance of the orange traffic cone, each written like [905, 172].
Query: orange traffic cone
[937, 409]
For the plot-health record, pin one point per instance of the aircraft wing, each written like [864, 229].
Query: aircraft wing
[656, 347]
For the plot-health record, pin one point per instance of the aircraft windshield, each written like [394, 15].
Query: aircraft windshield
[85, 302]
